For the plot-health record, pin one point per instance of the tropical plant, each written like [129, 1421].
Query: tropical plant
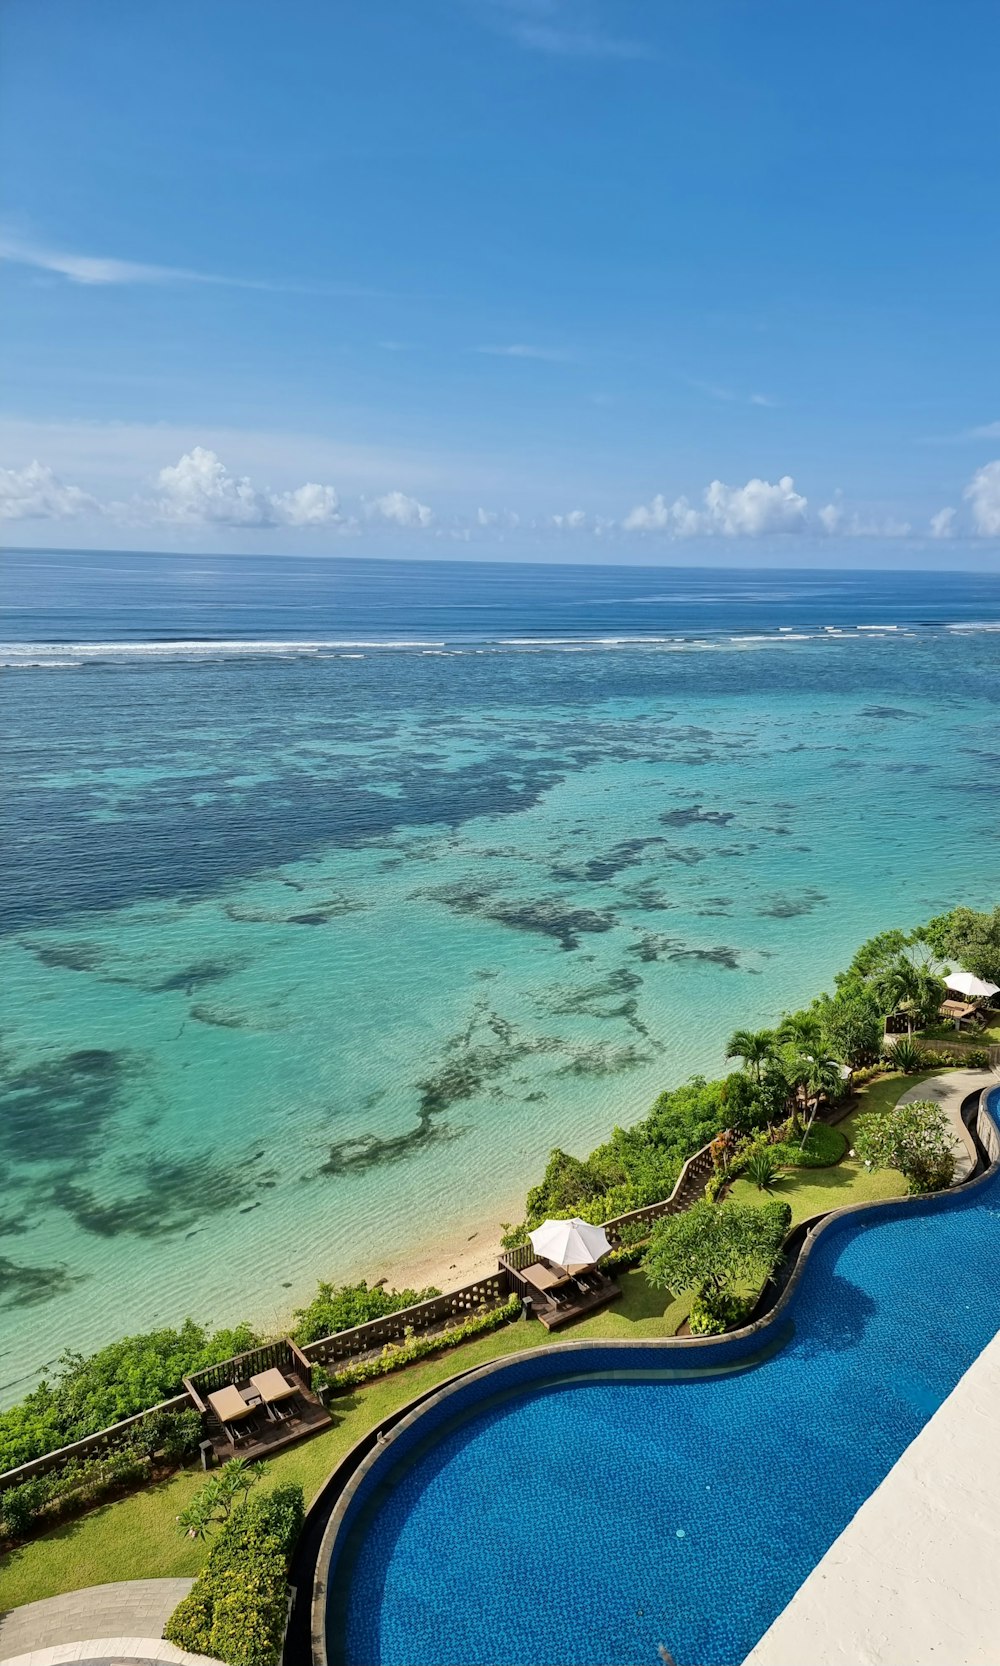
[802, 1031]
[713, 1246]
[852, 1026]
[236, 1609]
[762, 1167]
[753, 1047]
[905, 1055]
[913, 990]
[91, 1393]
[214, 1502]
[915, 1138]
[970, 937]
[335, 1309]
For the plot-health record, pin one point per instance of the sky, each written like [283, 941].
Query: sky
[620, 280]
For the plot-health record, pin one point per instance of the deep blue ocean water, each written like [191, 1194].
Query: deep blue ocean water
[314, 946]
[597, 1520]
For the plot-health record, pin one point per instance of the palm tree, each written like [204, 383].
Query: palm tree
[915, 991]
[821, 1079]
[801, 1030]
[754, 1047]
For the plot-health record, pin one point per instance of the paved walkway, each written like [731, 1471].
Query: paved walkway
[949, 1092]
[133, 1609]
[111, 1651]
[911, 1581]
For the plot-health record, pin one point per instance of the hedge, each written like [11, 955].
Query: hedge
[395, 1355]
[236, 1610]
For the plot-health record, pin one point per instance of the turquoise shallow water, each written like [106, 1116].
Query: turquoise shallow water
[310, 957]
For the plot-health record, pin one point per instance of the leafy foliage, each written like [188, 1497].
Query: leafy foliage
[712, 1247]
[762, 1167]
[80, 1483]
[91, 1393]
[215, 1500]
[397, 1354]
[970, 937]
[914, 1138]
[905, 1056]
[236, 1609]
[334, 1309]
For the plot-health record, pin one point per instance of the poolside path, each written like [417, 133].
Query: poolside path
[911, 1581]
[103, 1623]
[949, 1092]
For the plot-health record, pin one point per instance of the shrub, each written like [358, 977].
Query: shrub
[20, 1506]
[713, 1246]
[393, 1357]
[906, 1056]
[333, 1310]
[914, 1138]
[93, 1392]
[762, 1167]
[713, 1314]
[977, 1058]
[236, 1609]
[822, 1148]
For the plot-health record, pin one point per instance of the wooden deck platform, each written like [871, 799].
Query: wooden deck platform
[554, 1316]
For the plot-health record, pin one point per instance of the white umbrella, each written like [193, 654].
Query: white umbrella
[571, 1244]
[963, 983]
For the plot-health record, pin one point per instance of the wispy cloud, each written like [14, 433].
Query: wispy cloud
[555, 28]
[730, 396]
[522, 350]
[986, 431]
[102, 270]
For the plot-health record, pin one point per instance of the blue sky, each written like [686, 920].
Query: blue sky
[518, 277]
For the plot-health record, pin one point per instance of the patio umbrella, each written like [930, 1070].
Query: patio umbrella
[963, 983]
[571, 1244]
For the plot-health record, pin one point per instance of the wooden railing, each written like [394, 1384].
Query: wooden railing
[105, 1440]
[281, 1355]
[438, 1310]
[686, 1191]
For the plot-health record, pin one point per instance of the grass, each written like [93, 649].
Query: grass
[137, 1537]
[990, 1036]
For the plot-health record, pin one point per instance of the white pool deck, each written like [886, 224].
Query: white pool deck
[912, 1580]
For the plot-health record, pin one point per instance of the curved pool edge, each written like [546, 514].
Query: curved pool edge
[744, 1346]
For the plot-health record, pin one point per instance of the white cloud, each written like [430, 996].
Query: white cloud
[983, 492]
[554, 28]
[836, 522]
[199, 490]
[35, 493]
[400, 509]
[497, 517]
[943, 524]
[523, 350]
[986, 431]
[573, 521]
[309, 505]
[759, 507]
[101, 270]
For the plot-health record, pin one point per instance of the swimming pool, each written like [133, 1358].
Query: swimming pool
[591, 1504]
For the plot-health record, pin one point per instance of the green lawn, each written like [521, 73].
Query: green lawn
[975, 1038]
[137, 1538]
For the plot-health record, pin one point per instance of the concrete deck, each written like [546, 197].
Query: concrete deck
[111, 1651]
[133, 1609]
[911, 1581]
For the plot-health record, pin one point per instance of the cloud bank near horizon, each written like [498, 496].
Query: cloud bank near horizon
[199, 490]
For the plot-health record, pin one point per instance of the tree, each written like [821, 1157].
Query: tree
[852, 1027]
[970, 937]
[712, 1247]
[914, 990]
[915, 1138]
[821, 1080]
[754, 1047]
[801, 1030]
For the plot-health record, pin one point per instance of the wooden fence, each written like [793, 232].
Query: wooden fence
[280, 1355]
[687, 1188]
[105, 1440]
[438, 1311]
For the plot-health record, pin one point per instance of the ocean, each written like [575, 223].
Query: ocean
[337, 892]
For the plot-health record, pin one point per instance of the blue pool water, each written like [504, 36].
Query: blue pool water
[592, 1520]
